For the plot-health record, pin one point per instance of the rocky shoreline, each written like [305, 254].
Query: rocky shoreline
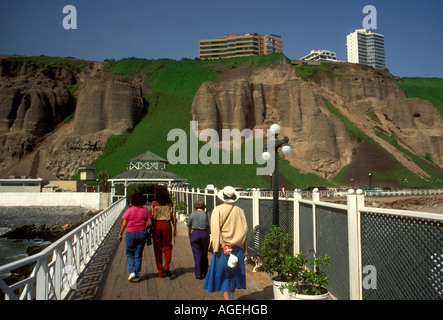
[44, 223]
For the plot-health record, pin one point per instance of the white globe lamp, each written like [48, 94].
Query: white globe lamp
[266, 156]
[275, 129]
[286, 150]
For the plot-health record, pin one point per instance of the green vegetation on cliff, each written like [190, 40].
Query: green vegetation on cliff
[328, 69]
[430, 89]
[40, 62]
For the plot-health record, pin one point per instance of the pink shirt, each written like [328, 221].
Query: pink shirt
[137, 218]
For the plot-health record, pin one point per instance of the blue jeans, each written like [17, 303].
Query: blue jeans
[135, 242]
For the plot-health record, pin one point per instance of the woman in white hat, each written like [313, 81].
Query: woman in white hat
[229, 231]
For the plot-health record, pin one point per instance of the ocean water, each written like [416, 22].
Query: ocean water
[13, 250]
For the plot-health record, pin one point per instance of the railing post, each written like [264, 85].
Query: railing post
[41, 282]
[296, 235]
[192, 201]
[58, 272]
[255, 207]
[315, 199]
[354, 246]
[187, 201]
[77, 250]
[215, 197]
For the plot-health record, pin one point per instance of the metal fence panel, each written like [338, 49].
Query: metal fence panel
[286, 216]
[407, 254]
[246, 205]
[265, 209]
[332, 239]
[306, 229]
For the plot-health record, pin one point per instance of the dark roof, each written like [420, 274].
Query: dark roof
[148, 156]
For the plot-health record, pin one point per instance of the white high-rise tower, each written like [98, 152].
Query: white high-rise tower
[366, 47]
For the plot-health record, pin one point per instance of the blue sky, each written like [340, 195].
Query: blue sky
[155, 29]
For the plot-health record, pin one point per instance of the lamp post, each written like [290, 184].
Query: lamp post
[370, 180]
[286, 149]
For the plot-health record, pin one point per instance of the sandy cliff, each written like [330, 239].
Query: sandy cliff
[35, 138]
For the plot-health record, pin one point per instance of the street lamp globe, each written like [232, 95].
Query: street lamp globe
[275, 129]
[266, 156]
[286, 150]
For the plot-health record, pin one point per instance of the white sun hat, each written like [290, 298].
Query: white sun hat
[228, 195]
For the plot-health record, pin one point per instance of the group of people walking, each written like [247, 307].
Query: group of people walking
[224, 232]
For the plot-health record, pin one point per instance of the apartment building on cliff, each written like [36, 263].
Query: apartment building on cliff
[366, 47]
[240, 45]
[321, 55]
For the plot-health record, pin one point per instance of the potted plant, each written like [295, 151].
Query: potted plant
[307, 278]
[275, 249]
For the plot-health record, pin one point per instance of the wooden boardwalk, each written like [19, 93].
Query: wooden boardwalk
[106, 278]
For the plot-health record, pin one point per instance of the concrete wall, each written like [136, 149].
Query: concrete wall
[93, 201]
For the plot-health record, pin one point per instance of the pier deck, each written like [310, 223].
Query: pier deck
[107, 276]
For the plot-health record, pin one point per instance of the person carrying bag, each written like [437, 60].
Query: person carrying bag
[229, 231]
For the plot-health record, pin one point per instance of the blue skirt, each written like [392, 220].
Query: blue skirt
[221, 278]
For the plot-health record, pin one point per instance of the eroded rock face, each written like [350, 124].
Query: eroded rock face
[35, 106]
[322, 144]
[30, 108]
[108, 101]
[34, 103]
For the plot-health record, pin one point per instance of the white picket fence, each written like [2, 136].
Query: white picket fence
[57, 268]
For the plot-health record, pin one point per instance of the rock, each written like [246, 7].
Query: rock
[108, 101]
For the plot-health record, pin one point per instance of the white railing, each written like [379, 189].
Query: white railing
[54, 270]
[354, 236]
